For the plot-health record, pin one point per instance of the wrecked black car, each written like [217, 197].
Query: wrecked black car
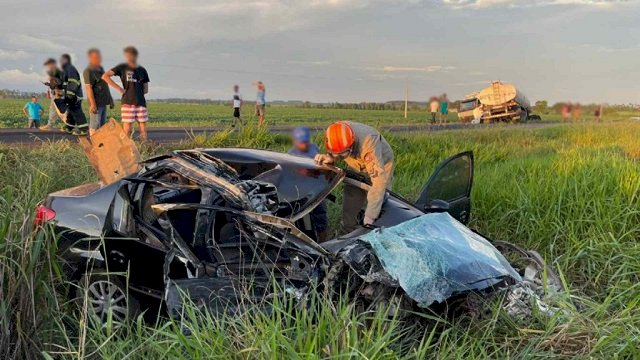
[208, 223]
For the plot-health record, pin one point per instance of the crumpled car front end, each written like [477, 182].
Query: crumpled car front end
[429, 261]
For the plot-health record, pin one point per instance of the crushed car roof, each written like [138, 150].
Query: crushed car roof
[300, 183]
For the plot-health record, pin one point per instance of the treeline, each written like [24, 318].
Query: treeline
[19, 94]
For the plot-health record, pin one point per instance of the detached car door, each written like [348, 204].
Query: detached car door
[451, 182]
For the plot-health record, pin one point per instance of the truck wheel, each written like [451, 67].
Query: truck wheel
[524, 116]
[106, 295]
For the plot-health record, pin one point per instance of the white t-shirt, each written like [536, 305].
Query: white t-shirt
[237, 100]
[434, 105]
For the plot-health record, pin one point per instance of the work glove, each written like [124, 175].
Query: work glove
[368, 221]
[323, 159]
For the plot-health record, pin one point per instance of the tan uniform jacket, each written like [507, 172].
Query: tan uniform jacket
[372, 156]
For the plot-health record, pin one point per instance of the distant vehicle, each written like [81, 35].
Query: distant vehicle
[499, 102]
[470, 109]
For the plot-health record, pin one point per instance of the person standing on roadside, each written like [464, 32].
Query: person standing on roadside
[76, 123]
[135, 85]
[434, 106]
[261, 102]
[97, 91]
[566, 112]
[237, 105]
[598, 113]
[444, 109]
[54, 82]
[33, 111]
[576, 112]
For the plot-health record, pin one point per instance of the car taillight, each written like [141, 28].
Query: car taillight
[43, 214]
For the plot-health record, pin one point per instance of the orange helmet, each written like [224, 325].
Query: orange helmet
[339, 137]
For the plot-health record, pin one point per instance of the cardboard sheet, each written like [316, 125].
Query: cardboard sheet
[111, 152]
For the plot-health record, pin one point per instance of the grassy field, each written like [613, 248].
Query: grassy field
[570, 191]
[189, 115]
[164, 114]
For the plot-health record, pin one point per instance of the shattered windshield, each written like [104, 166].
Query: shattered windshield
[434, 257]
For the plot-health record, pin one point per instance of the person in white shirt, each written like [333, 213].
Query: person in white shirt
[237, 104]
[434, 106]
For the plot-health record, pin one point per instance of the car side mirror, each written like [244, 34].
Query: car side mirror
[437, 206]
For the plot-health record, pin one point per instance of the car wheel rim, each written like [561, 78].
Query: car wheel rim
[107, 299]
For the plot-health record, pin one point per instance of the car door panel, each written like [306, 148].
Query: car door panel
[451, 182]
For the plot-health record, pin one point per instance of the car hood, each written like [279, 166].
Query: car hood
[434, 256]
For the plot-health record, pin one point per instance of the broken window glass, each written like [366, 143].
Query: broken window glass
[434, 257]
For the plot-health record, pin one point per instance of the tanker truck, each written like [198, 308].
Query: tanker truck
[498, 102]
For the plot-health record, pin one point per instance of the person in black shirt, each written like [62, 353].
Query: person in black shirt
[71, 102]
[54, 83]
[97, 91]
[135, 85]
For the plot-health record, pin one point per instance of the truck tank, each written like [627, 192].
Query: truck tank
[499, 93]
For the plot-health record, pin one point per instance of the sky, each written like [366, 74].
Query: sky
[339, 50]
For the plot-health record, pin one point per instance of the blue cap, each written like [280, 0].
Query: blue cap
[302, 134]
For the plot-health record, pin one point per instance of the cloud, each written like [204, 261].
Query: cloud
[479, 82]
[430, 68]
[309, 62]
[606, 48]
[478, 4]
[18, 77]
[13, 54]
[399, 69]
[35, 43]
[213, 20]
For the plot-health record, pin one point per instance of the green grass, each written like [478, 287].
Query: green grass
[570, 191]
[191, 115]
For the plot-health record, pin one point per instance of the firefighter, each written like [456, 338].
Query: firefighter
[76, 122]
[365, 151]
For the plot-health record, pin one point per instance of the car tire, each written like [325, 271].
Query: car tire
[106, 294]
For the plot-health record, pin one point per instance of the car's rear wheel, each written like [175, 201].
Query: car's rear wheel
[106, 297]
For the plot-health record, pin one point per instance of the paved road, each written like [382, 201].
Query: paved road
[32, 137]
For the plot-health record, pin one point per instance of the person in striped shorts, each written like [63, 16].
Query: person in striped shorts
[135, 85]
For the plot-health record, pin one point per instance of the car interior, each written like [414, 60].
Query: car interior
[220, 244]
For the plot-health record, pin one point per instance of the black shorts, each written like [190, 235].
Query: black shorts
[236, 112]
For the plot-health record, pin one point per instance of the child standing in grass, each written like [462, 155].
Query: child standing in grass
[237, 105]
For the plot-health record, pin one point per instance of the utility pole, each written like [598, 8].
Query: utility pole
[406, 98]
